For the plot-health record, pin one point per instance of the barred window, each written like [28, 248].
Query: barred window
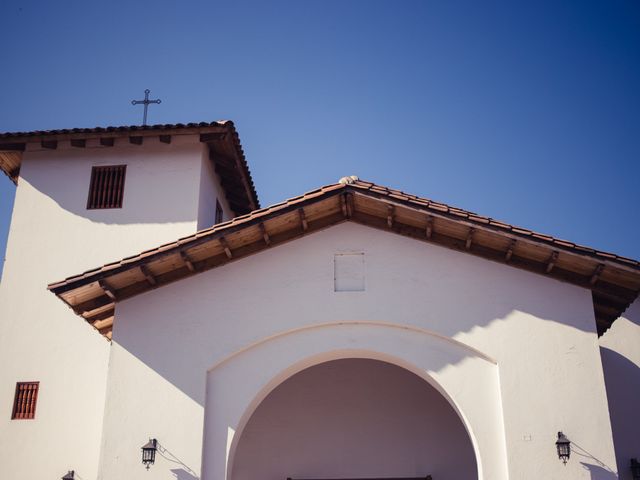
[24, 403]
[107, 187]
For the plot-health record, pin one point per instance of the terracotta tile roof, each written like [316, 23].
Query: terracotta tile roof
[365, 186]
[614, 280]
[112, 129]
[12, 144]
[474, 217]
[218, 228]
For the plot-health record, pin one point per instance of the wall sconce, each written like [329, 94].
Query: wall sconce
[149, 452]
[635, 469]
[70, 476]
[563, 445]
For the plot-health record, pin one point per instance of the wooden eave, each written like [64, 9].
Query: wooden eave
[614, 281]
[225, 151]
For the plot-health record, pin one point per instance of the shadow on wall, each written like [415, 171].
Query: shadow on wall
[599, 473]
[184, 473]
[270, 301]
[154, 191]
[204, 318]
[181, 474]
[622, 379]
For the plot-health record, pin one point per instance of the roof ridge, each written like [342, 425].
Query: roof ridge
[116, 128]
[370, 187]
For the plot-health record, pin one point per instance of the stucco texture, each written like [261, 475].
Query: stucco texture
[53, 235]
[514, 354]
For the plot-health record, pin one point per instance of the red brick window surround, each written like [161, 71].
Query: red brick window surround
[107, 187]
[24, 403]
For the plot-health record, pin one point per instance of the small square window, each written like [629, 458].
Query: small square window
[218, 212]
[24, 403]
[107, 187]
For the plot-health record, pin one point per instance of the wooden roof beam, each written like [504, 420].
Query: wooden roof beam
[616, 303]
[390, 215]
[108, 291]
[223, 161]
[509, 254]
[15, 172]
[225, 246]
[212, 137]
[187, 261]
[348, 198]
[488, 228]
[102, 324]
[596, 274]
[303, 220]
[98, 313]
[265, 235]
[148, 275]
[469, 240]
[345, 205]
[429, 228]
[552, 261]
[229, 172]
[231, 195]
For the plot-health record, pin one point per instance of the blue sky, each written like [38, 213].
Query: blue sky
[528, 112]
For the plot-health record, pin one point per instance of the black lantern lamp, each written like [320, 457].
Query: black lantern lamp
[635, 469]
[149, 452]
[563, 445]
[71, 475]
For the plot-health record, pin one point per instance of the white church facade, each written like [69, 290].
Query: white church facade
[353, 332]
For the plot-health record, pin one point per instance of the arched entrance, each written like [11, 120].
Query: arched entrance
[354, 418]
[466, 378]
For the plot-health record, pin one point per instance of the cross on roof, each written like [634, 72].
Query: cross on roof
[146, 103]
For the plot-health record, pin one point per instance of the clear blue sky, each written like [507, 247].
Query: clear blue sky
[528, 112]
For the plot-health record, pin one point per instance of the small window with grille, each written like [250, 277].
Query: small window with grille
[218, 212]
[24, 403]
[107, 187]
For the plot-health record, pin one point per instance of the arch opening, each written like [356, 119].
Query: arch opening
[353, 418]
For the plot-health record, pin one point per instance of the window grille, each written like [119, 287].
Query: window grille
[107, 187]
[24, 403]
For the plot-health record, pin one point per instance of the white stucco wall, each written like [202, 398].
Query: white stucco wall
[354, 418]
[210, 191]
[620, 350]
[52, 236]
[521, 344]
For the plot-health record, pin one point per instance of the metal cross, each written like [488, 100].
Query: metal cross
[146, 103]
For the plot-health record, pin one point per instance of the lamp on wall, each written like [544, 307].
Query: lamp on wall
[563, 445]
[635, 469]
[71, 475]
[149, 452]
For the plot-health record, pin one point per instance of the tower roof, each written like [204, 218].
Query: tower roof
[221, 138]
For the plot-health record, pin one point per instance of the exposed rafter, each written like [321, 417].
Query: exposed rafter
[614, 281]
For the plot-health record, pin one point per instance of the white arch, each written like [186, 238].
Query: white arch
[465, 377]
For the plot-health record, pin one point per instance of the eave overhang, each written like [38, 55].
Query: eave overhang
[613, 280]
[221, 138]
